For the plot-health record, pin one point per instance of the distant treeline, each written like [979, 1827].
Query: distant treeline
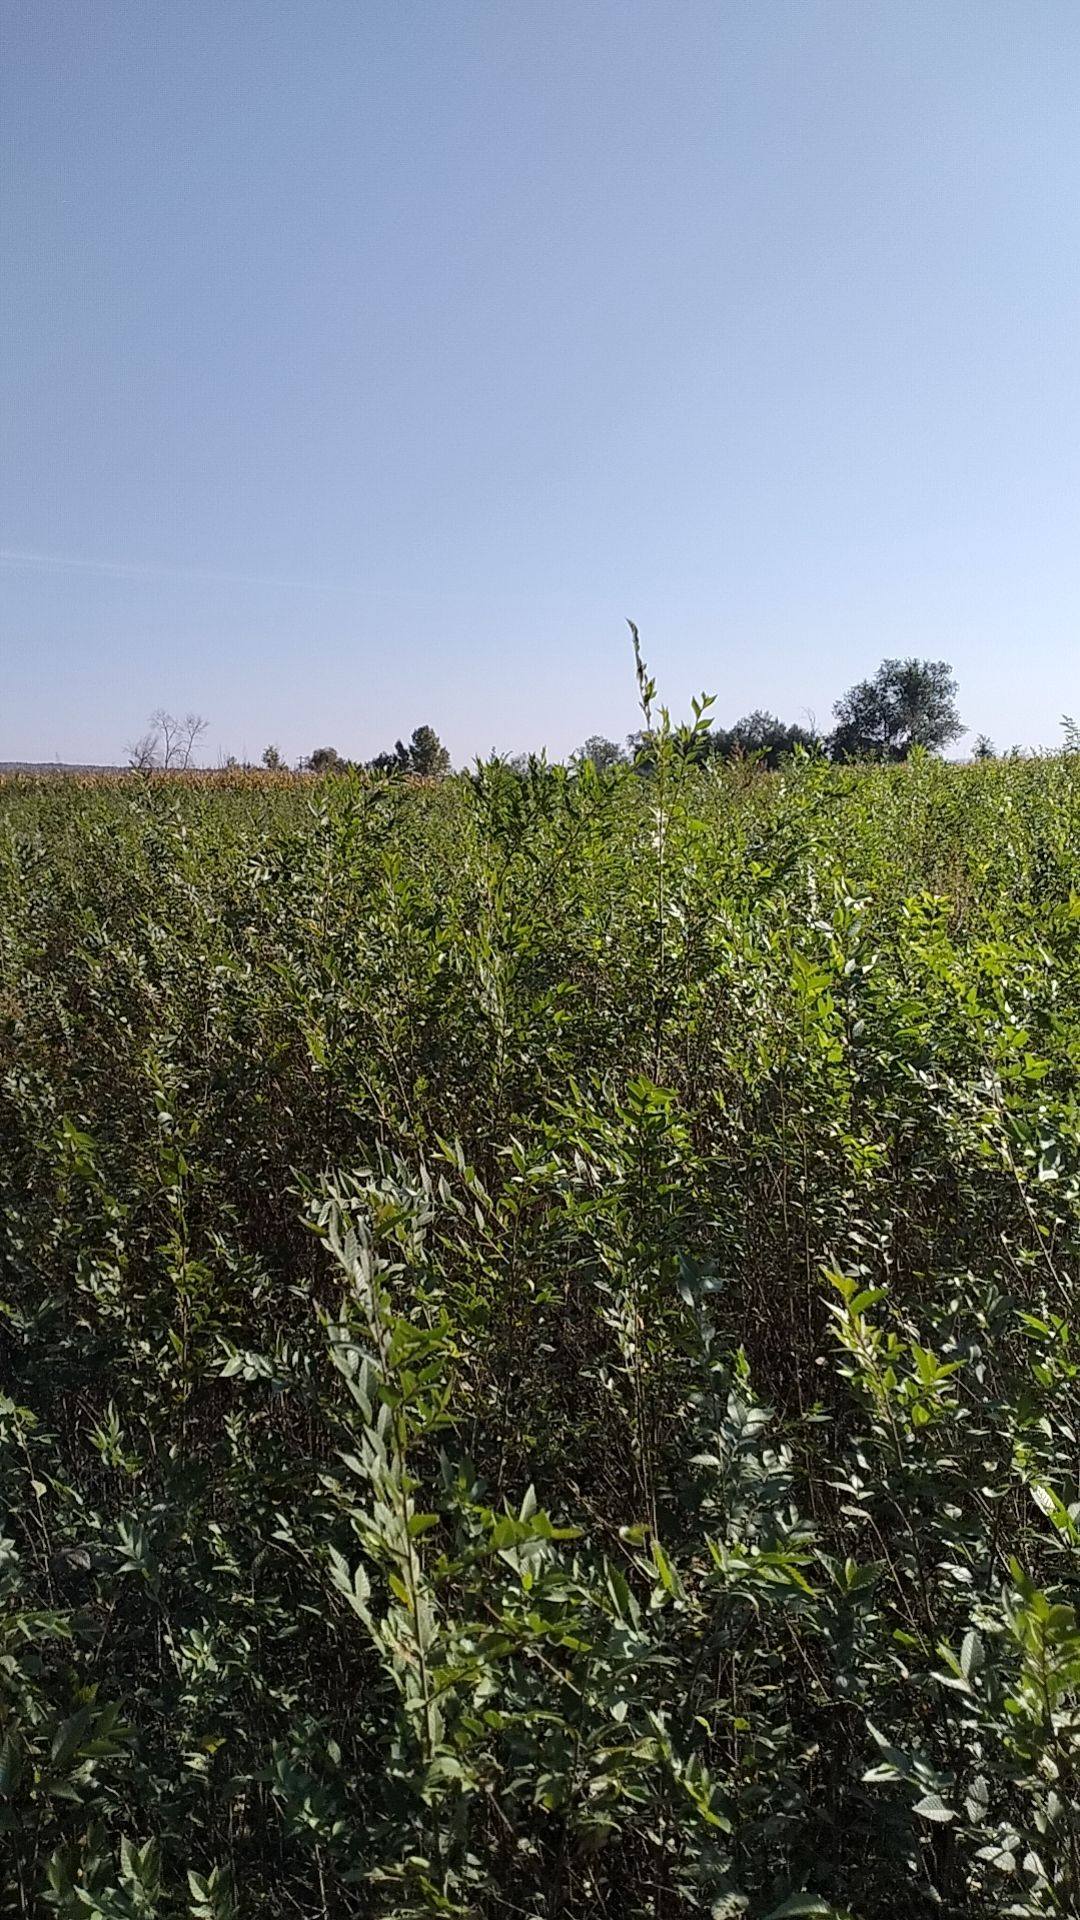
[906, 704]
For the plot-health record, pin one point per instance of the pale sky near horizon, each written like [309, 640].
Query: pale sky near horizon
[364, 365]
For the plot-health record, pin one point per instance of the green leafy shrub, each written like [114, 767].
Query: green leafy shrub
[536, 1365]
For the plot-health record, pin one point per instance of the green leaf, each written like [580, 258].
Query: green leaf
[10, 1763]
[663, 1567]
[971, 1654]
[805, 1903]
[68, 1738]
[932, 1807]
[977, 1800]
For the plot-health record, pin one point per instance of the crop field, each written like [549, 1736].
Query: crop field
[536, 1368]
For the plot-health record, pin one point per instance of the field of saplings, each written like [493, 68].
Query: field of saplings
[537, 1374]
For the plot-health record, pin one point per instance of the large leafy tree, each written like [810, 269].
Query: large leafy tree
[762, 736]
[603, 753]
[908, 703]
[427, 755]
[396, 762]
[325, 760]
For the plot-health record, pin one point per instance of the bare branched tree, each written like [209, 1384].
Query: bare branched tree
[168, 743]
[143, 753]
[179, 738]
[192, 728]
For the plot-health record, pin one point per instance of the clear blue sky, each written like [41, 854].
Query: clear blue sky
[364, 362]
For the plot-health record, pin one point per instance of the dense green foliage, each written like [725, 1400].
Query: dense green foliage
[425, 756]
[535, 1344]
[907, 704]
